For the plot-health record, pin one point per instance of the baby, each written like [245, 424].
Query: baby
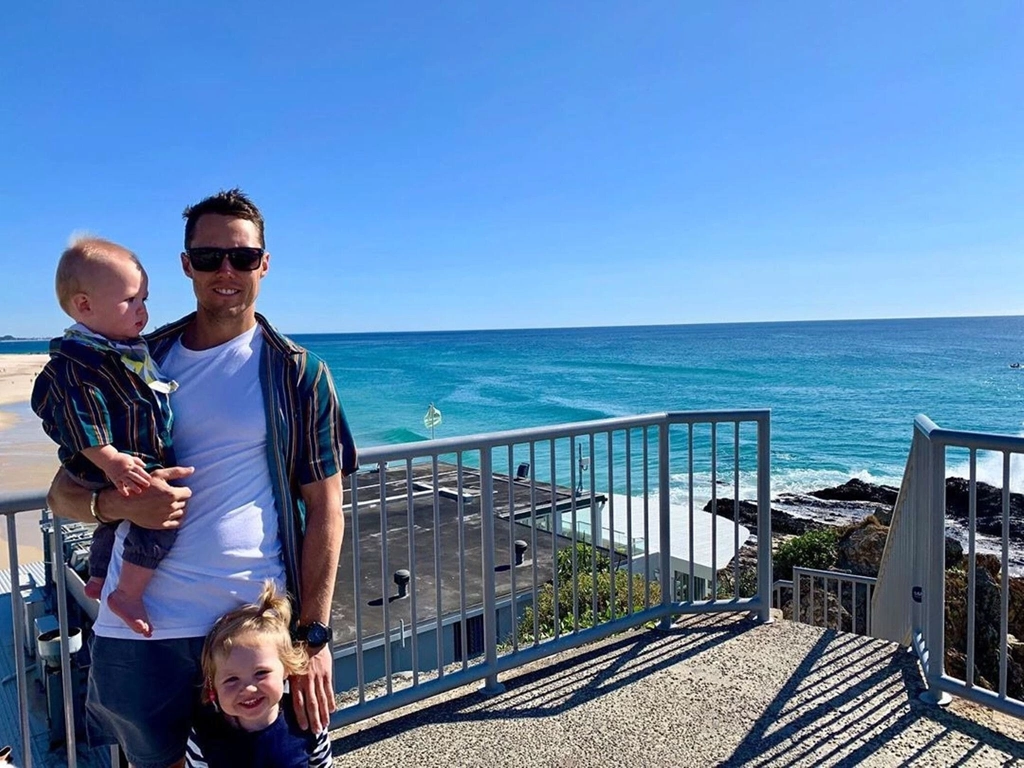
[248, 718]
[105, 403]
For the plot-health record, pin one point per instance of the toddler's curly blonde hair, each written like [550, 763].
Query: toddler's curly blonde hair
[270, 616]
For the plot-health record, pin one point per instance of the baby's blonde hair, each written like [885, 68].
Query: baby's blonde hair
[270, 616]
[80, 262]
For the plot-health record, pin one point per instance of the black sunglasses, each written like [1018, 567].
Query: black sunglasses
[210, 259]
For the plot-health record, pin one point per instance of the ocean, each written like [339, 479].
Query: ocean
[843, 394]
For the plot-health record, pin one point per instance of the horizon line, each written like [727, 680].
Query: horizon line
[604, 327]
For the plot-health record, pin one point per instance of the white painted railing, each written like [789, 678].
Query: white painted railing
[647, 459]
[910, 600]
[398, 527]
[835, 600]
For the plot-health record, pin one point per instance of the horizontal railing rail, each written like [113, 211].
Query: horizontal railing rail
[465, 558]
[913, 580]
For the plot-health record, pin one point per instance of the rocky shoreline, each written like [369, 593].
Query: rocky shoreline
[848, 504]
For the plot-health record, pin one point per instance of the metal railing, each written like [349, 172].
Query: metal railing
[910, 600]
[846, 608]
[637, 464]
[10, 506]
[849, 603]
[450, 519]
[897, 604]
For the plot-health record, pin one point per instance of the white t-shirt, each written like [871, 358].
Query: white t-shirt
[228, 542]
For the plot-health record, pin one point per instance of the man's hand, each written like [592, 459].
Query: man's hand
[313, 692]
[160, 506]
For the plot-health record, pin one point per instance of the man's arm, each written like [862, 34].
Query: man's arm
[160, 506]
[313, 693]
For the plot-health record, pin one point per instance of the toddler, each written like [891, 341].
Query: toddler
[105, 403]
[248, 718]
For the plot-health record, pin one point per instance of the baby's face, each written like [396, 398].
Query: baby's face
[249, 681]
[117, 302]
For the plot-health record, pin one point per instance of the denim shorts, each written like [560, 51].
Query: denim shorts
[142, 694]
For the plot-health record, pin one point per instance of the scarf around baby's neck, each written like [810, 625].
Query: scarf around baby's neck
[134, 354]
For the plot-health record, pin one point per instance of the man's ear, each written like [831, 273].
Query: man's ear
[186, 265]
[265, 266]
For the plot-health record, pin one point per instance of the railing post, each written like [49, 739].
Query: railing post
[491, 684]
[664, 517]
[59, 580]
[18, 617]
[764, 518]
[935, 570]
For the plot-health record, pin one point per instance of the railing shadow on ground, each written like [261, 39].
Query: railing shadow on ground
[808, 721]
[837, 699]
[567, 684]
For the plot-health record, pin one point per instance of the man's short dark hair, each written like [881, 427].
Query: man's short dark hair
[231, 202]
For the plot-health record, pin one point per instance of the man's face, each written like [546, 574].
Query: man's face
[226, 293]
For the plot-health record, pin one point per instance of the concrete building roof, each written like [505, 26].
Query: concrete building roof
[707, 528]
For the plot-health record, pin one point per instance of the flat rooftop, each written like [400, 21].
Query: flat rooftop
[437, 531]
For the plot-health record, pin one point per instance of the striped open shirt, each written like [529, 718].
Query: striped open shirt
[86, 398]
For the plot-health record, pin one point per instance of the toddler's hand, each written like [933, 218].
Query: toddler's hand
[129, 474]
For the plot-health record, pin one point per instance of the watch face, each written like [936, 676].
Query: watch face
[318, 634]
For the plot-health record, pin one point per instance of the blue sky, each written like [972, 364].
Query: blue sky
[474, 165]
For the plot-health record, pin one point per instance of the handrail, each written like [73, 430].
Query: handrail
[846, 586]
[897, 571]
[910, 598]
[464, 538]
[10, 506]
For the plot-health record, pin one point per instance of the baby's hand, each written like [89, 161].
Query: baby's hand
[128, 474]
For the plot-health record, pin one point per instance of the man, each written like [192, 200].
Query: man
[262, 445]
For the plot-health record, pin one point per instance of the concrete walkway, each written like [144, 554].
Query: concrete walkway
[711, 691]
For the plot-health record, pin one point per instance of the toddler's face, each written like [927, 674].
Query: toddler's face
[249, 681]
[117, 302]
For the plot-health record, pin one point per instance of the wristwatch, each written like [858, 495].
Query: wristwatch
[315, 635]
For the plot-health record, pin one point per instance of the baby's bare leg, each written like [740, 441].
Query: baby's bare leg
[126, 600]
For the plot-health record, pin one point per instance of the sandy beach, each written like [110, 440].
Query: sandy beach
[17, 374]
[28, 459]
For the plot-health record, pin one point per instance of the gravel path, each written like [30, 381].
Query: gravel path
[711, 691]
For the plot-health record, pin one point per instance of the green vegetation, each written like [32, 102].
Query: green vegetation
[748, 583]
[814, 549]
[589, 581]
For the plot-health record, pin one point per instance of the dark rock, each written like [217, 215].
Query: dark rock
[988, 610]
[858, 490]
[990, 499]
[954, 553]
[989, 512]
[782, 522]
[860, 548]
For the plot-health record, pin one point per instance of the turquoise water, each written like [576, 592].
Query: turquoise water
[843, 394]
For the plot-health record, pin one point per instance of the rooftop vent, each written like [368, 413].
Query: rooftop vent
[402, 580]
[520, 546]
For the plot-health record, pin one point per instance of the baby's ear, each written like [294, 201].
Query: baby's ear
[80, 302]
